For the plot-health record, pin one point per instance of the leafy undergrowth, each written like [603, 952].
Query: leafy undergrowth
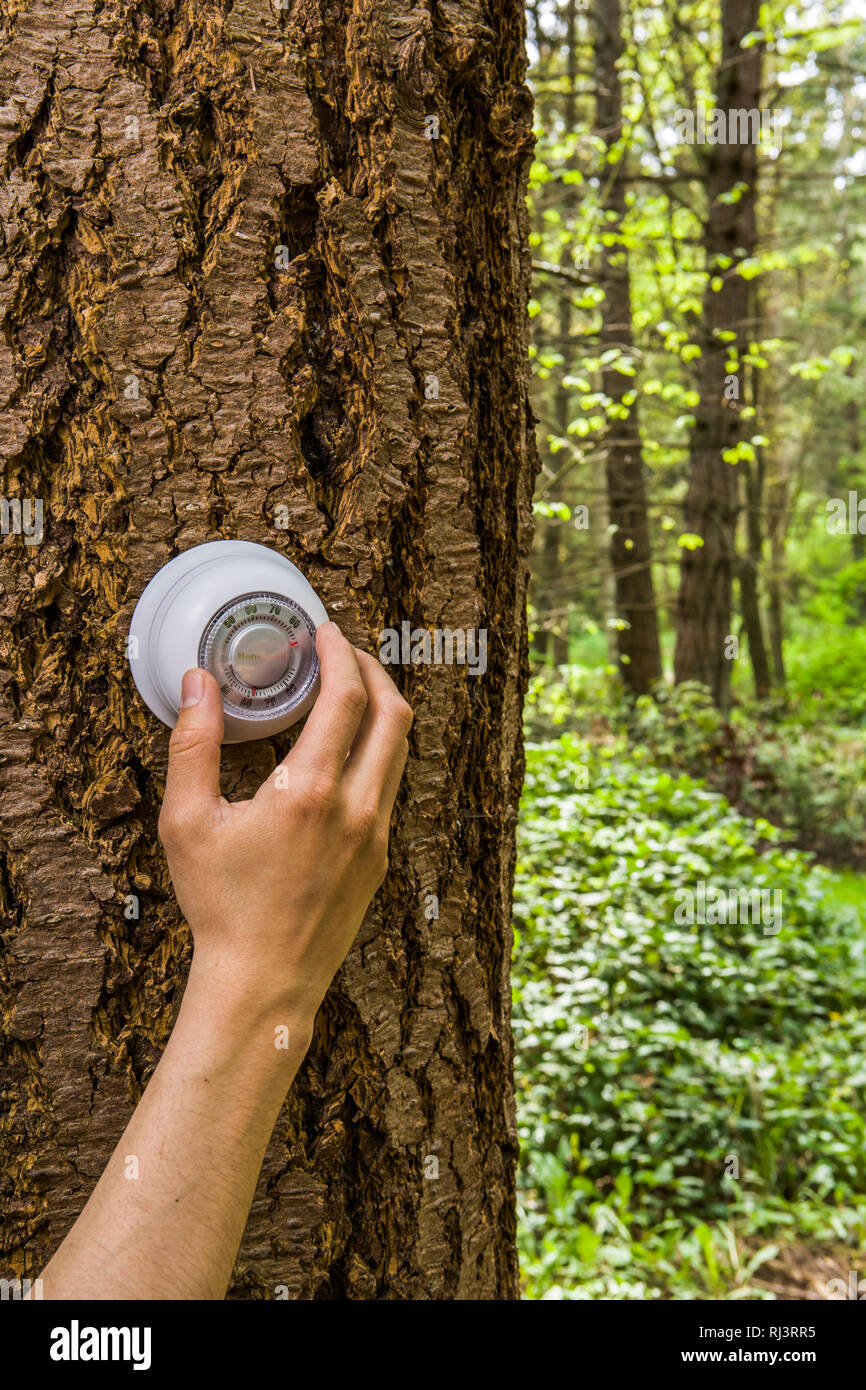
[806, 776]
[690, 1095]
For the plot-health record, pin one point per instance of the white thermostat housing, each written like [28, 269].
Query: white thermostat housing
[242, 612]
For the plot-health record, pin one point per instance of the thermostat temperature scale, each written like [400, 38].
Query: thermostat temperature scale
[242, 612]
[261, 649]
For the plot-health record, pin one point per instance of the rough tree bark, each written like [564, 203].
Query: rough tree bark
[777, 464]
[630, 555]
[554, 641]
[749, 564]
[551, 631]
[704, 607]
[250, 290]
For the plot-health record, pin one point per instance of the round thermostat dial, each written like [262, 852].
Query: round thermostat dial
[261, 649]
[242, 612]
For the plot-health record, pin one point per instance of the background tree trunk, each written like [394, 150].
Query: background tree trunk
[630, 556]
[170, 376]
[551, 639]
[750, 563]
[704, 609]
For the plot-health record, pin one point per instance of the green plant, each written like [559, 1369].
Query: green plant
[719, 1087]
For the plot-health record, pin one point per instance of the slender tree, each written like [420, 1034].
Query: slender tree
[630, 554]
[749, 563]
[730, 172]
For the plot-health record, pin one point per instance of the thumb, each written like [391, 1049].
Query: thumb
[194, 748]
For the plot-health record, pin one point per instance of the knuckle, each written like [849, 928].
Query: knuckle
[322, 795]
[378, 852]
[186, 739]
[351, 699]
[401, 714]
[381, 862]
[365, 823]
[169, 826]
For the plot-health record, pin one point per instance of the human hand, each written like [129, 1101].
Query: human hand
[274, 889]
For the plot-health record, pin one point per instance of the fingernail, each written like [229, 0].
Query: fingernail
[192, 689]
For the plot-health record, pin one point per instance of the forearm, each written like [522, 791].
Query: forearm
[167, 1216]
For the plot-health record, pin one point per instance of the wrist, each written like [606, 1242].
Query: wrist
[244, 1007]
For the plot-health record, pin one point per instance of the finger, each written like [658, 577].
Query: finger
[393, 778]
[380, 744]
[331, 726]
[193, 778]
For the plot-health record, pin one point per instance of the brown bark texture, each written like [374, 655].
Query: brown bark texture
[711, 508]
[630, 553]
[750, 568]
[249, 289]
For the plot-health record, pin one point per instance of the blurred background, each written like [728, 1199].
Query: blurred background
[691, 1079]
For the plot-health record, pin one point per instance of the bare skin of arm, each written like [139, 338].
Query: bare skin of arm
[274, 891]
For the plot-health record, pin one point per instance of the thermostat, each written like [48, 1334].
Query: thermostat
[242, 612]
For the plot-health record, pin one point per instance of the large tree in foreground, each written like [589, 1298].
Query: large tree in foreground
[263, 275]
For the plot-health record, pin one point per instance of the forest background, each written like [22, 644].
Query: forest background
[690, 1075]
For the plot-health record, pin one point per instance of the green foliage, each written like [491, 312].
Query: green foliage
[704, 1042]
[826, 654]
[807, 778]
[714, 1040]
[799, 380]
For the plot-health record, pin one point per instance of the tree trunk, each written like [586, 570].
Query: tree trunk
[631, 560]
[750, 608]
[750, 564]
[251, 291]
[550, 641]
[704, 609]
[776, 456]
[551, 638]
